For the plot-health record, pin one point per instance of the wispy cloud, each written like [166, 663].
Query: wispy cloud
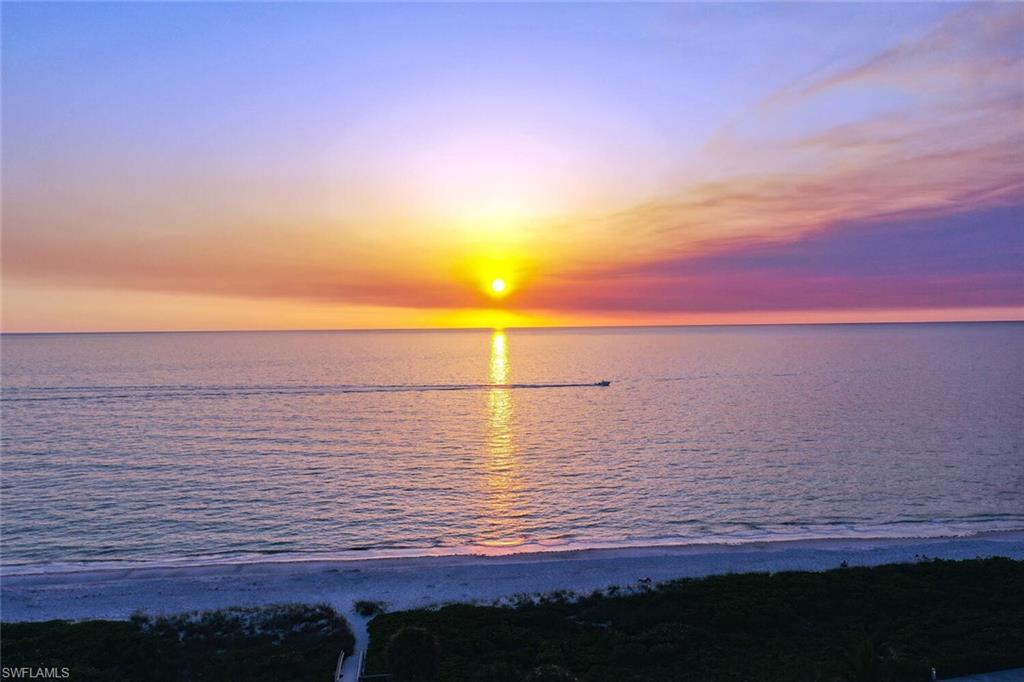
[977, 48]
[908, 261]
[946, 139]
[942, 130]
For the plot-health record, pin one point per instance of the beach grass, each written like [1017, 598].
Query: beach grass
[891, 622]
[282, 642]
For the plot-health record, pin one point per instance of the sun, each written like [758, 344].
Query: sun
[498, 286]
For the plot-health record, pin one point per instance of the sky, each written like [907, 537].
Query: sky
[323, 166]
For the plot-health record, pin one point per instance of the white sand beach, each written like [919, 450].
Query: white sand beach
[425, 581]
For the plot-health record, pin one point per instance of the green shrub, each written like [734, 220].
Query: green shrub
[412, 655]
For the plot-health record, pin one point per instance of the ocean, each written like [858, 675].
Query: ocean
[188, 448]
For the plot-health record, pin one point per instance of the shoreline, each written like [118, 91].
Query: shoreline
[529, 549]
[431, 580]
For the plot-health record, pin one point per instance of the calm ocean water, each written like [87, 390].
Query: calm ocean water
[192, 447]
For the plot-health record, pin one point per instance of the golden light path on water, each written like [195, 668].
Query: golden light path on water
[503, 500]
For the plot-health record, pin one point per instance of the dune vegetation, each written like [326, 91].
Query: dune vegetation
[285, 642]
[891, 622]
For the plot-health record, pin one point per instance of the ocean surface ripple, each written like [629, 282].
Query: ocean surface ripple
[183, 448]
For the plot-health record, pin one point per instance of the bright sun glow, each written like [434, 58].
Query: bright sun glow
[498, 286]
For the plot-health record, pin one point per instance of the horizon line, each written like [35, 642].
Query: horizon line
[507, 327]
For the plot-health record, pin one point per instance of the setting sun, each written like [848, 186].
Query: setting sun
[498, 287]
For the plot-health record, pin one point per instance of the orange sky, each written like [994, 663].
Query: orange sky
[612, 164]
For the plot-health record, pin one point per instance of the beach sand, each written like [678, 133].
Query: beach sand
[403, 583]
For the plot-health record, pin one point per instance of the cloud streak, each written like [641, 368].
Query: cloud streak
[966, 259]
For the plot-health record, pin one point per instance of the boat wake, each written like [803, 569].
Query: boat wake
[170, 392]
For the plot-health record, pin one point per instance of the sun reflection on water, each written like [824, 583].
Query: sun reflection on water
[503, 504]
[499, 358]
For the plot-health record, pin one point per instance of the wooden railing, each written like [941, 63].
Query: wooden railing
[337, 668]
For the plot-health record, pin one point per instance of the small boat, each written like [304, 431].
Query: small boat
[603, 383]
